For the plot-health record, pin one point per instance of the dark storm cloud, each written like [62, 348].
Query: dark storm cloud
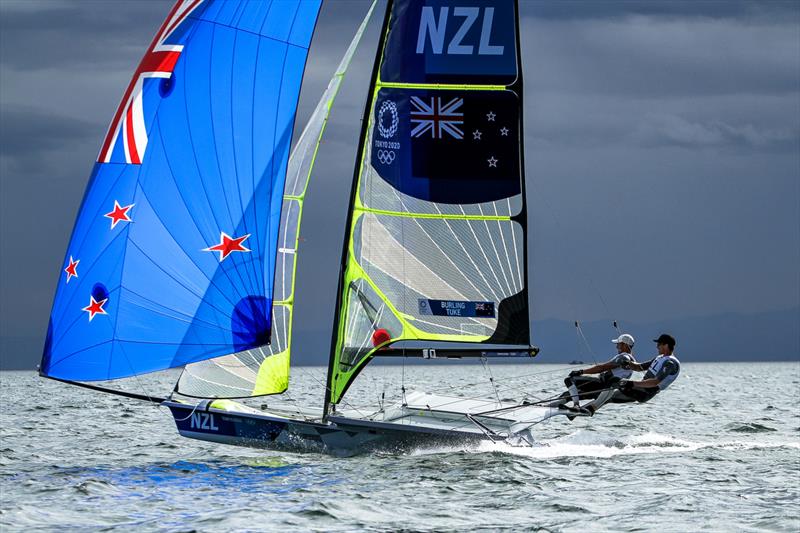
[660, 129]
[29, 136]
[650, 126]
[64, 34]
[725, 82]
[734, 122]
[610, 9]
[662, 58]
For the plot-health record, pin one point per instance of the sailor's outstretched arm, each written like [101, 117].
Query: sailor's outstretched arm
[597, 369]
[639, 367]
[646, 383]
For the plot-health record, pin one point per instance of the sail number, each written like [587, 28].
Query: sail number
[435, 29]
[204, 421]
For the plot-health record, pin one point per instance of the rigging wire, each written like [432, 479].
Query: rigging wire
[327, 388]
[511, 378]
[485, 363]
[581, 336]
[549, 209]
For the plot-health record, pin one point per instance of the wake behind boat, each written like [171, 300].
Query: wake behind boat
[184, 252]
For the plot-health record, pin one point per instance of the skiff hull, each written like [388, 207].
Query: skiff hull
[338, 436]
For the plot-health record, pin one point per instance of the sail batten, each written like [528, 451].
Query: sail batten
[435, 247]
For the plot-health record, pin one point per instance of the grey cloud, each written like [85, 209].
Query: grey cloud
[608, 9]
[29, 137]
[615, 94]
[662, 57]
[665, 129]
[733, 122]
[76, 34]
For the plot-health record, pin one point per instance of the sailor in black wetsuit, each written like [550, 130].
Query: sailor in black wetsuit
[582, 386]
[661, 372]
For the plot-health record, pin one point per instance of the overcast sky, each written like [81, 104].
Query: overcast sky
[662, 151]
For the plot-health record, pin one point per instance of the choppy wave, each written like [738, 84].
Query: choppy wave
[749, 427]
[73, 459]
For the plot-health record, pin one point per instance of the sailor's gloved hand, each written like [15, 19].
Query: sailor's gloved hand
[576, 373]
[625, 364]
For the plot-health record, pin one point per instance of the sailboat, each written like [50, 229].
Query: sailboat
[185, 248]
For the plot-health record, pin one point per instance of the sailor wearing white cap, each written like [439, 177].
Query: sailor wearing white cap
[583, 386]
[661, 372]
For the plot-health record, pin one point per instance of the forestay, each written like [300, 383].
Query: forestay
[265, 370]
[436, 246]
[173, 254]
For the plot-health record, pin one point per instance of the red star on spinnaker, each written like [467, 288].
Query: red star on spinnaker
[72, 269]
[95, 307]
[119, 214]
[227, 245]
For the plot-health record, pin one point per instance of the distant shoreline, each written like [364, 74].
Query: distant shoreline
[463, 362]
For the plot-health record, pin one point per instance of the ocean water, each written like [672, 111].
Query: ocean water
[718, 451]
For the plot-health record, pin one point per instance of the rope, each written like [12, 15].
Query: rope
[190, 414]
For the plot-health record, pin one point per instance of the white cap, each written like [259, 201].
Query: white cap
[627, 339]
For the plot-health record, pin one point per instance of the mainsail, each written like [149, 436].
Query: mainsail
[173, 254]
[265, 370]
[435, 247]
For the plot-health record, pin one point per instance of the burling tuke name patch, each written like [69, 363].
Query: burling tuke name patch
[456, 308]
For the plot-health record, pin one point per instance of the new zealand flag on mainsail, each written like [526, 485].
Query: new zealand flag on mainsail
[448, 146]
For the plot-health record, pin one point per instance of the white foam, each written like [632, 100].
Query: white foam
[593, 444]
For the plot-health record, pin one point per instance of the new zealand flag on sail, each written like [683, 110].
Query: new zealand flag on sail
[448, 146]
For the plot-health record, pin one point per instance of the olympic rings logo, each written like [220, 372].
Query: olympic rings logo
[389, 132]
[386, 156]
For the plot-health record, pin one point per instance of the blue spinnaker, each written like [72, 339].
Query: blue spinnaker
[172, 257]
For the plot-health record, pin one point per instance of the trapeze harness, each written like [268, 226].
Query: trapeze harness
[664, 368]
[589, 386]
[618, 373]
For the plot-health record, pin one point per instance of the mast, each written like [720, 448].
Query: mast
[522, 216]
[353, 191]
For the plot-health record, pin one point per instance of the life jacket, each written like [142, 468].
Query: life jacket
[619, 372]
[656, 366]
